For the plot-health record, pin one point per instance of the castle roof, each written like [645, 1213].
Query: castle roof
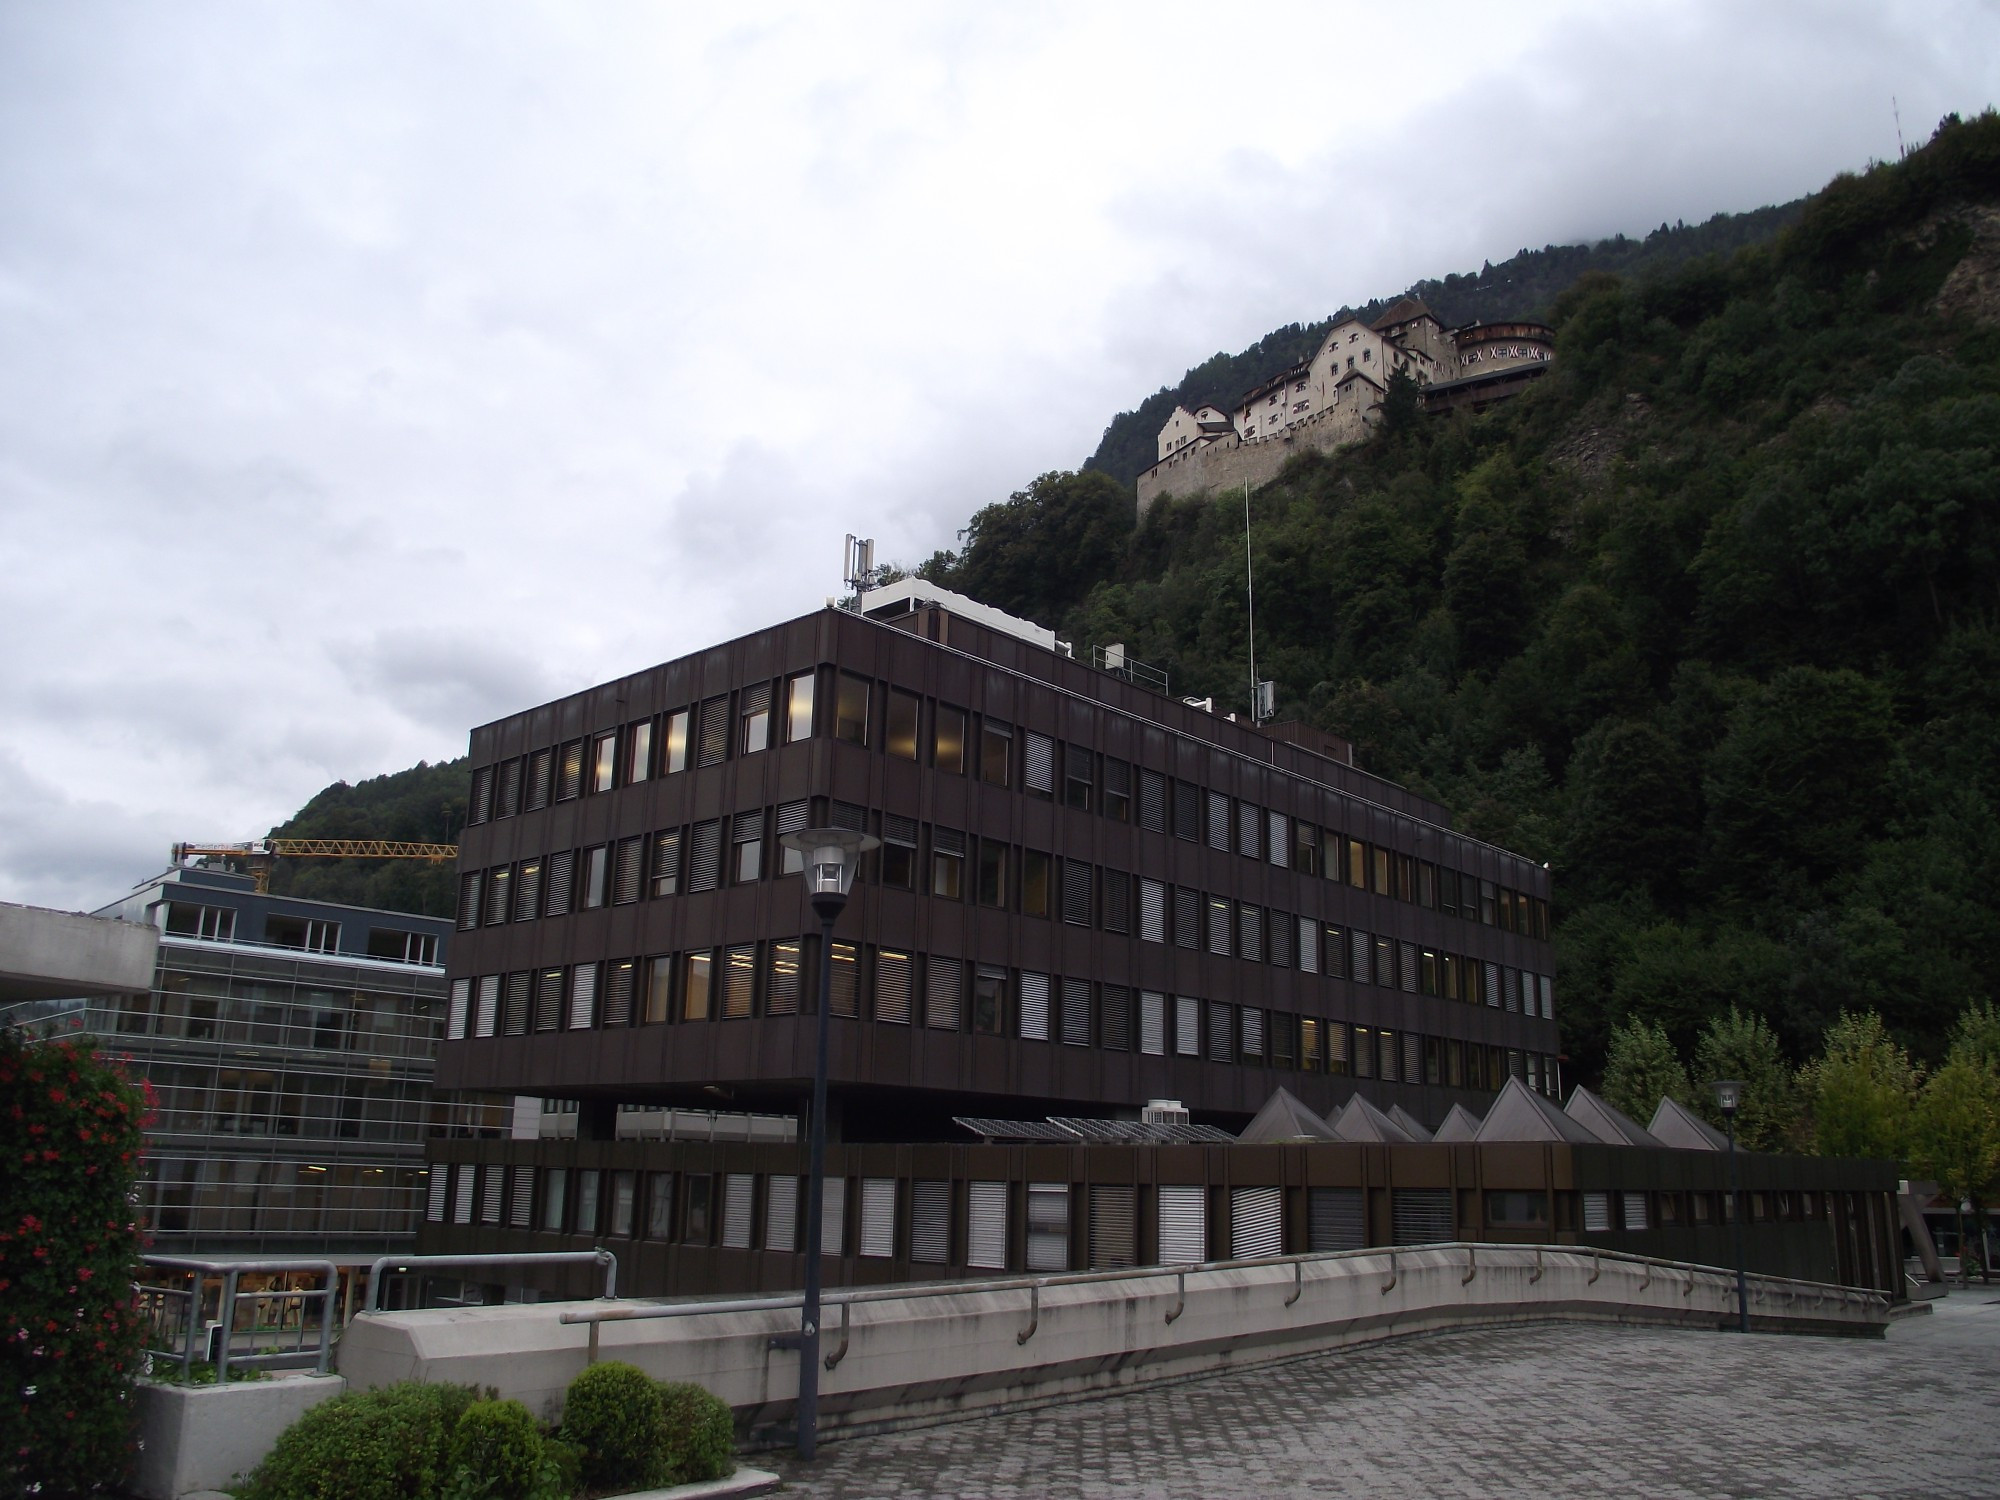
[1403, 310]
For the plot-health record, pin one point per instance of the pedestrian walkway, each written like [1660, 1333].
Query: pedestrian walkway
[1542, 1410]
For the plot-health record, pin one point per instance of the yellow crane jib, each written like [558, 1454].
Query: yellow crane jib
[259, 854]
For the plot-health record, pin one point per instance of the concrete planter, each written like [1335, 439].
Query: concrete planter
[200, 1437]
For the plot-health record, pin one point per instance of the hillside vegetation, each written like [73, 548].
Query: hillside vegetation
[1525, 286]
[423, 805]
[1709, 619]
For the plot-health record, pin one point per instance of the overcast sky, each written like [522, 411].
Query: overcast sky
[368, 371]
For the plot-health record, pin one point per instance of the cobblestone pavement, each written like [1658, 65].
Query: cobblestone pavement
[1550, 1410]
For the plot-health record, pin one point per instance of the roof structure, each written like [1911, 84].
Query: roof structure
[1409, 1122]
[1403, 310]
[1460, 1124]
[1362, 1121]
[1609, 1125]
[1520, 1114]
[1674, 1124]
[1285, 1118]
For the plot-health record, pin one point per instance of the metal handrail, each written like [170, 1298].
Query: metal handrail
[231, 1271]
[381, 1263]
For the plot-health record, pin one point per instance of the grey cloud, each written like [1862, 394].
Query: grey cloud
[444, 680]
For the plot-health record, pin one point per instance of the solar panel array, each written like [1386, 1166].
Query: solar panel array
[1068, 1131]
[1015, 1130]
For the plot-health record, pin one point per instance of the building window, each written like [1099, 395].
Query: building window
[548, 1000]
[509, 798]
[996, 753]
[1386, 1068]
[948, 739]
[1152, 911]
[792, 819]
[1218, 822]
[948, 864]
[659, 991]
[1048, 1226]
[1152, 1023]
[639, 751]
[898, 858]
[596, 876]
[1187, 1026]
[1250, 933]
[1364, 1052]
[1187, 917]
[739, 981]
[1039, 767]
[667, 862]
[992, 890]
[1249, 830]
[697, 976]
[1076, 1012]
[1308, 945]
[900, 740]
[892, 986]
[621, 979]
[1117, 901]
[1076, 893]
[217, 924]
[604, 762]
[1221, 1032]
[942, 978]
[316, 936]
[555, 1186]
[850, 709]
[629, 869]
[747, 834]
[1253, 1032]
[1152, 801]
[583, 997]
[1034, 991]
[754, 708]
[1219, 924]
[799, 708]
[569, 771]
[1312, 1057]
[781, 990]
[698, 1215]
[1077, 778]
[676, 749]
[989, 989]
[705, 856]
[1034, 883]
[1117, 790]
[479, 808]
[846, 983]
[713, 747]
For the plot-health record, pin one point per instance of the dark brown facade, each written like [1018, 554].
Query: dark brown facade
[689, 1218]
[1089, 896]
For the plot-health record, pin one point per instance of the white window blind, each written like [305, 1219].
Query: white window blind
[1221, 1041]
[1034, 1006]
[1040, 764]
[489, 1005]
[1256, 1222]
[739, 1200]
[461, 1208]
[439, 1194]
[833, 1216]
[1406, 959]
[930, 1221]
[1250, 933]
[1413, 1057]
[583, 997]
[986, 1225]
[892, 987]
[1493, 984]
[517, 1004]
[1278, 846]
[1152, 911]
[1187, 1026]
[521, 1207]
[1309, 945]
[943, 979]
[1249, 830]
[1635, 1210]
[492, 1193]
[1183, 1224]
[1548, 998]
[1358, 945]
[781, 1212]
[548, 1000]
[878, 1217]
[456, 1009]
[561, 883]
[1153, 801]
[1597, 1213]
[1253, 1031]
[1152, 1023]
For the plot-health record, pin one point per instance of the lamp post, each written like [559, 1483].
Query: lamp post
[831, 857]
[1729, 1099]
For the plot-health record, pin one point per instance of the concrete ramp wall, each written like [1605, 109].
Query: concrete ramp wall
[910, 1354]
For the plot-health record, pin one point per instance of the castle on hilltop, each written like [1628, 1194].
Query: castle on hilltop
[1335, 397]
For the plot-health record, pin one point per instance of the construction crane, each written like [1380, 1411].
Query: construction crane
[261, 854]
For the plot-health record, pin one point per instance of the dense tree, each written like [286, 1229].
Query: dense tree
[1643, 1068]
[1038, 552]
[1860, 1091]
[1955, 1136]
[1740, 1045]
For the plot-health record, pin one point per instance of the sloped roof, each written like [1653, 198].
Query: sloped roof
[1403, 310]
[1460, 1124]
[1285, 1118]
[1362, 1121]
[1609, 1125]
[1409, 1122]
[1520, 1114]
[1678, 1126]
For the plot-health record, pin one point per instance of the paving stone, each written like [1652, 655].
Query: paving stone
[1541, 1410]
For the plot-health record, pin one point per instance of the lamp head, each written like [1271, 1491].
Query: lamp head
[1728, 1095]
[831, 856]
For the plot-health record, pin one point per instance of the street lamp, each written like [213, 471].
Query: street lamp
[831, 856]
[1729, 1099]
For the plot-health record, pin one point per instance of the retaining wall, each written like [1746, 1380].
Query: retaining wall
[914, 1354]
[200, 1437]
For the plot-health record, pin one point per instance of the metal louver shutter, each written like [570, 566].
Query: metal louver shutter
[1117, 901]
[1187, 812]
[1218, 821]
[1153, 801]
[878, 1217]
[1048, 1226]
[1076, 893]
[1253, 1031]
[1221, 1041]
[1359, 944]
[1250, 936]
[781, 1212]
[1493, 984]
[1406, 960]
[510, 788]
[781, 993]
[1114, 1018]
[521, 1206]
[848, 815]
[1034, 1006]
[1256, 1222]
[1548, 997]
[569, 774]
[1249, 830]
[1334, 1219]
[1076, 1012]
[1635, 1210]
[1152, 1023]
[517, 1004]
[739, 1199]
[471, 887]
[1114, 1215]
[1278, 844]
[739, 981]
[1413, 1057]
[492, 1194]
[1308, 945]
[528, 891]
[548, 999]
[1183, 1224]
[1385, 1060]
[1422, 1216]
[481, 807]
[489, 1005]
[667, 862]
[439, 1193]
[583, 997]
[499, 883]
[1040, 765]
[892, 987]
[561, 883]
[792, 819]
[541, 772]
[714, 748]
[1220, 920]
[461, 1208]
[1152, 911]
[624, 977]
[630, 867]
[1597, 1213]
[833, 1216]
[705, 856]
[944, 978]
[986, 1225]
[457, 1008]
[1187, 917]
[930, 1221]
[1278, 929]
[1187, 1026]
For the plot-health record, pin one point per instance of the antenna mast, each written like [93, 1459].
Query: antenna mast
[1896, 110]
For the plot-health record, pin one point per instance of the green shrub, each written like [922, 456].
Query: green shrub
[496, 1453]
[698, 1434]
[70, 1346]
[611, 1415]
[393, 1443]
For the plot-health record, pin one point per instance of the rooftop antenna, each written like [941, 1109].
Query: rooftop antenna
[1896, 110]
[858, 566]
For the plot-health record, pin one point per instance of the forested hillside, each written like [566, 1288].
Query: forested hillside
[423, 805]
[1523, 287]
[1709, 619]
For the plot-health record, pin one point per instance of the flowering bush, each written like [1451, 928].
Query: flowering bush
[70, 1336]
